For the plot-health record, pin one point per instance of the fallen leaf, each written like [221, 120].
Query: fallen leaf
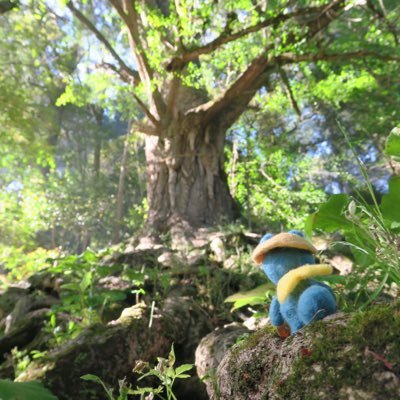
[305, 352]
[283, 331]
[378, 357]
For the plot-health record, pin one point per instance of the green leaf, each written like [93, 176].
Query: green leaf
[171, 357]
[89, 256]
[390, 202]
[183, 368]
[259, 291]
[24, 391]
[70, 286]
[86, 281]
[330, 216]
[93, 378]
[255, 296]
[392, 147]
[308, 225]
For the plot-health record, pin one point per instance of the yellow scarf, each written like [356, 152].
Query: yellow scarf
[290, 280]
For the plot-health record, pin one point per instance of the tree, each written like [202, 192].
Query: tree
[59, 165]
[239, 44]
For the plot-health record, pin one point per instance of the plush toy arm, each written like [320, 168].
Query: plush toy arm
[275, 313]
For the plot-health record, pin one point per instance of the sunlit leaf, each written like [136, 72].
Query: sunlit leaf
[255, 296]
[390, 205]
[393, 143]
[330, 216]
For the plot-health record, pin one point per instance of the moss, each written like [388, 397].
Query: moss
[253, 339]
[348, 356]
[246, 375]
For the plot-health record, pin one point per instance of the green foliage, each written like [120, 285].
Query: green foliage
[393, 143]
[341, 87]
[109, 391]
[136, 216]
[20, 263]
[271, 183]
[164, 371]
[257, 296]
[24, 391]
[371, 232]
[82, 295]
[22, 203]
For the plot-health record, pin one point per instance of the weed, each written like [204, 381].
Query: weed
[164, 371]
[371, 232]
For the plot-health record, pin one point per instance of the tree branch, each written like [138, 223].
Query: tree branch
[290, 58]
[289, 90]
[382, 16]
[251, 79]
[6, 6]
[143, 106]
[121, 73]
[85, 21]
[127, 12]
[128, 79]
[180, 61]
[146, 129]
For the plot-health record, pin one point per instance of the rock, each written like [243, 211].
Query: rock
[170, 259]
[196, 257]
[346, 356]
[212, 349]
[231, 262]
[218, 249]
[110, 351]
[23, 331]
[254, 323]
[342, 263]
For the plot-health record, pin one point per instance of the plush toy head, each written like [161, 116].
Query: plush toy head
[280, 253]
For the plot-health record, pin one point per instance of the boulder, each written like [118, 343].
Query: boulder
[353, 356]
[111, 351]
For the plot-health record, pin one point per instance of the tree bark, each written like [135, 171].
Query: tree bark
[186, 181]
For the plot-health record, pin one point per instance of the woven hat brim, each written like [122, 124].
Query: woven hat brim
[281, 240]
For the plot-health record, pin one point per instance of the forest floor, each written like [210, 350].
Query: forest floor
[113, 315]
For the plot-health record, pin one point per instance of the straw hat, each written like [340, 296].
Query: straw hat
[281, 240]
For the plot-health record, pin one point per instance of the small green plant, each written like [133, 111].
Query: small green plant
[62, 332]
[20, 360]
[371, 231]
[81, 294]
[164, 371]
[124, 389]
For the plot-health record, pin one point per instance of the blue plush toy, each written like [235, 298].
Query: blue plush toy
[288, 261]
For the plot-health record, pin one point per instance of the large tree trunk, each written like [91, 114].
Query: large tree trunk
[186, 178]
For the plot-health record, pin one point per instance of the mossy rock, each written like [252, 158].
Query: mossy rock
[111, 351]
[346, 356]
